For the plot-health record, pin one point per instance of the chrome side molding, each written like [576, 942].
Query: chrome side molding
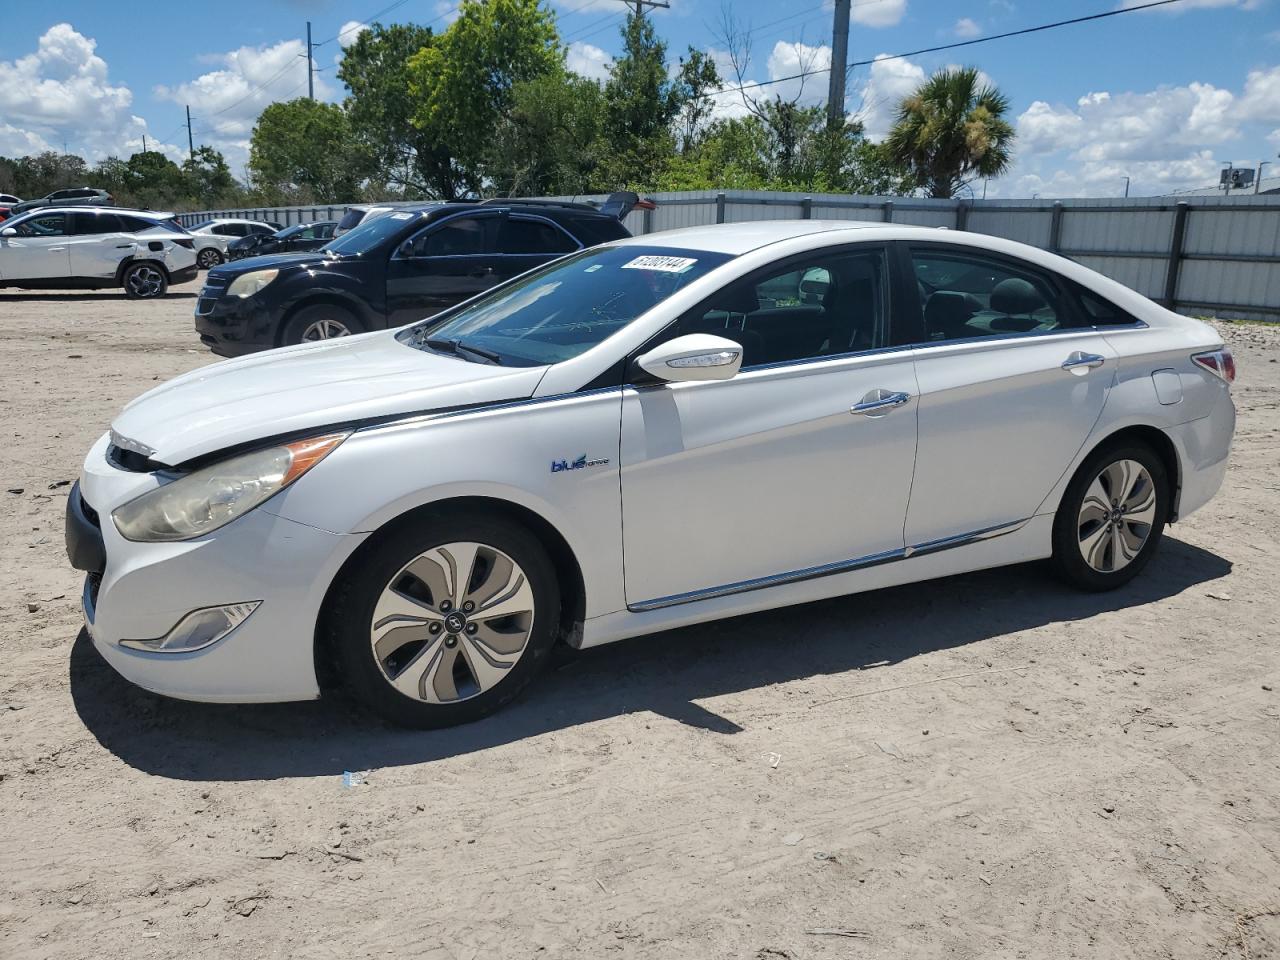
[827, 569]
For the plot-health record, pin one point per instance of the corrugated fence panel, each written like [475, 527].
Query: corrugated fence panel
[1230, 263]
[1144, 274]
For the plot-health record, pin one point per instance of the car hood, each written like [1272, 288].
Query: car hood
[309, 387]
[278, 261]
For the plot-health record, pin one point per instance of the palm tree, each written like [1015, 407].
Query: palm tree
[951, 131]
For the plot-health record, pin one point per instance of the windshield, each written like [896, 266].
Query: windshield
[567, 307]
[369, 234]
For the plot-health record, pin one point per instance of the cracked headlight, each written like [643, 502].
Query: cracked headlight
[250, 283]
[213, 496]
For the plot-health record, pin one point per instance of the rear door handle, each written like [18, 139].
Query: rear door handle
[1086, 360]
[879, 401]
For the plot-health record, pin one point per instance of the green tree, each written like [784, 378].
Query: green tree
[207, 178]
[696, 82]
[406, 157]
[303, 150]
[551, 140]
[152, 180]
[463, 81]
[951, 131]
[641, 102]
[45, 172]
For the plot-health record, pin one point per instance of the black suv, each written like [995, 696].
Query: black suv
[404, 265]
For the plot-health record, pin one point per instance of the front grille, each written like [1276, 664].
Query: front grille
[213, 289]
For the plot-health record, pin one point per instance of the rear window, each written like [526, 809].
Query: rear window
[593, 230]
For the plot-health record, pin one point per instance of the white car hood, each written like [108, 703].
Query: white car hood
[310, 386]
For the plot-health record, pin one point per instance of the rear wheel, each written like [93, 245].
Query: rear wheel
[145, 281]
[208, 258]
[1112, 516]
[321, 321]
[445, 620]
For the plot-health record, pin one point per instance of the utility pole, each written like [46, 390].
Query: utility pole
[311, 74]
[144, 143]
[191, 143]
[839, 64]
[639, 5]
[1126, 188]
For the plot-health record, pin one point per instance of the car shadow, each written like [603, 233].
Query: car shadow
[60, 296]
[663, 673]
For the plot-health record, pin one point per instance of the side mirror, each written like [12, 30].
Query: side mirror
[695, 356]
[9, 232]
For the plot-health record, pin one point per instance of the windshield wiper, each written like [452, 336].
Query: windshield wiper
[458, 348]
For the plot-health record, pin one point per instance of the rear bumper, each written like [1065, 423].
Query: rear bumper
[1204, 448]
[184, 274]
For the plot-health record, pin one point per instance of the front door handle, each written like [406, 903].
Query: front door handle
[1086, 360]
[879, 401]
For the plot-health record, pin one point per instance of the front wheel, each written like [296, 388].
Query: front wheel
[1111, 517]
[321, 321]
[145, 281]
[445, 620]
[208, 258]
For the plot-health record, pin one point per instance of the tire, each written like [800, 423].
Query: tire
[1098, 544]
[145, 280]
[321, 321]
[403, 640]
[208, 258]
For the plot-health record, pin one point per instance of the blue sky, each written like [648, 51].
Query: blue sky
[1162, 96]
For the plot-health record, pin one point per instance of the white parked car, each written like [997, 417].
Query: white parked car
[651, 433]
[93, 248]
[212, 237]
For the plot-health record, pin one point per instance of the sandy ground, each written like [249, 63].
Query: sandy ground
[992, 766]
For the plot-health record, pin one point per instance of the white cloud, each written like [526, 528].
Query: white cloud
[790, 59]
[588, 60]
[350, 32]
[878, 13]
[62, 93]
[888, 82]
[1260, 100]
[967, 28]
[225, 103]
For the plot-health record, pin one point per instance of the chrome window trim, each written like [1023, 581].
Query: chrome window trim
[1028, 335]
[826, 569]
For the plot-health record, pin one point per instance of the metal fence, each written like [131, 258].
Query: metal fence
[1217, 256]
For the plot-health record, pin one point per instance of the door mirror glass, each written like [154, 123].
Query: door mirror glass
[695, 356]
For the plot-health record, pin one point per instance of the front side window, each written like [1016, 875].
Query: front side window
[459, 237]
[821, 305]
[965, 295]
[49, 225]
[567, 307]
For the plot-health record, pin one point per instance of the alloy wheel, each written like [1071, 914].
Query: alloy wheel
[324, 329]
[452, 622]
[145, 281]
[209, 258]
[1116, 516]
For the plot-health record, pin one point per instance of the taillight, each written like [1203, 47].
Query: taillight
[184, 242]
[1218, 362]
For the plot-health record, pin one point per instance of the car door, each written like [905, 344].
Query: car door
[798, 466]
[526, 241]
[1012, 382]
[445, 263]
[39, 250]
[97, 243]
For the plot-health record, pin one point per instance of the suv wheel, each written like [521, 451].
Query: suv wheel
[322, 321]
[208, 258]
[446, 620]
[145, 281]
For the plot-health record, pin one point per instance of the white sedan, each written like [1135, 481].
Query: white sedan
[656, 432]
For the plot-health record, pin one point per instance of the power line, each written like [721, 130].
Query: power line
[381, 13]
[952, 46]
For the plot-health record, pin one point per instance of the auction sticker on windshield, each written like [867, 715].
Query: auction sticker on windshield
[662, 264]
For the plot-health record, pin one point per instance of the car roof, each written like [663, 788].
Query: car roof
[54, 208]
[736, 239]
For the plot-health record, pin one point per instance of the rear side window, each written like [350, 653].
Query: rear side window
[1101, 313]
[517, 235]
[91, 223]
[261, 228]
[965, 295]
[350, 219]
[593, 230]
